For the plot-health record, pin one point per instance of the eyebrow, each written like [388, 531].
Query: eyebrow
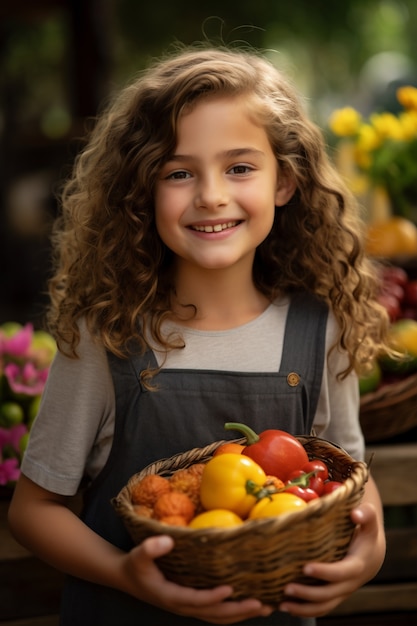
[233, 153]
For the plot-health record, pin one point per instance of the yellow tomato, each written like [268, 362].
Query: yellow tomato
[215, 518]
[234, 448]
[230, 481]
[277, 504]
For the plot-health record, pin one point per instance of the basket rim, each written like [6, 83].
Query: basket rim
[359, 474]
[391, 393]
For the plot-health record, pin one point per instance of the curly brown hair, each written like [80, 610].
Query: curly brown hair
[112, 267]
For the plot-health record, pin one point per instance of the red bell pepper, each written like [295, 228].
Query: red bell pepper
[278, 453]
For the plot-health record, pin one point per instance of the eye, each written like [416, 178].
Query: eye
[240, 169]
[178, 175]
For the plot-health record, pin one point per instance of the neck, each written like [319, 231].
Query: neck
[223, 298]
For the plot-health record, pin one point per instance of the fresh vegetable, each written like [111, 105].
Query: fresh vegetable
[318, 467]
[305, 493]
[403, 338]
[276, 451]
[174, 503]
[188, 481]
[231, 446]
[277, 504]
[174, 520]
[330, 486]
[231, 481]
[303, 483]
[274, 483]
[217, 518]
[317, 484]
[147, 491]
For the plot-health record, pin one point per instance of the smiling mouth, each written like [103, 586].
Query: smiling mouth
[215, 228]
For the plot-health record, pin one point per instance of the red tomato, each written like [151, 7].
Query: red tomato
[298, 473]
[316, 484]
[330, 486]
[304, 479]
[315, 465]
[305, 493]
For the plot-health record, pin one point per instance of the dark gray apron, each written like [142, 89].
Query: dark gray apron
[189, 410]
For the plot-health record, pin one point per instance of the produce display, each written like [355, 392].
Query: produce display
[398, 295]
[269, 475]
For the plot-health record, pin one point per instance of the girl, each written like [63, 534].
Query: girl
[206, 250]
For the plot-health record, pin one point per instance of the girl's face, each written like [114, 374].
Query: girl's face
[215, 198]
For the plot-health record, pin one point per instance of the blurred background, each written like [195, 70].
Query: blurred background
[60, 60]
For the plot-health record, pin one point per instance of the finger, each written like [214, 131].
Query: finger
[154, 547]
[313, 600]
[308, 610]
[231, 612]
[365, 516]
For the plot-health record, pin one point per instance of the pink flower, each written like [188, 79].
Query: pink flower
[16, 434]
[25, 379]
[19, 344]
[9, 471]
[4, 438]
[12, 436]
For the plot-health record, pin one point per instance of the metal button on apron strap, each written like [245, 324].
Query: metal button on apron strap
[293, 379]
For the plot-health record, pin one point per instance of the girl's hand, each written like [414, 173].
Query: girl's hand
[339, 580]
[149, 584]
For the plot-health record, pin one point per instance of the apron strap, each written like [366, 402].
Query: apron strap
[304, 345]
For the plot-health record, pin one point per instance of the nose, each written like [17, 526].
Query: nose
[211, 192]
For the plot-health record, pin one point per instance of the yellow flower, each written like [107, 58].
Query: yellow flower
[408, 121]
[407, 96]
[367, 141]
[368, 138]
[345, 122]
[383, 147]
[386, 125]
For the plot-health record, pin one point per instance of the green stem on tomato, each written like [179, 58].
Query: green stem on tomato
[303, 480]
[251, 436]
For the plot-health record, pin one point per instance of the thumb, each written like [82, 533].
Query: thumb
[153, 547]
[365, 515]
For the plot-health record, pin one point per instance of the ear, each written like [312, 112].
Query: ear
[285, 190]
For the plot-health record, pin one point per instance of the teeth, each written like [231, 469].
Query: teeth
[214, 229]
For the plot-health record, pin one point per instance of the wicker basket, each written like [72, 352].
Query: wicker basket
[259, 557]
[390, 410]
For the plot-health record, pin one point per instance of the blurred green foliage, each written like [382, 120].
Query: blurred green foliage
[324, 45]
[61, 59]
[326, 42]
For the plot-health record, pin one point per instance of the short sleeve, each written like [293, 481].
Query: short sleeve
[337, 415]
[74, 427]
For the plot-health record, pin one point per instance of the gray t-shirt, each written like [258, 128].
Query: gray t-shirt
[73, 432]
